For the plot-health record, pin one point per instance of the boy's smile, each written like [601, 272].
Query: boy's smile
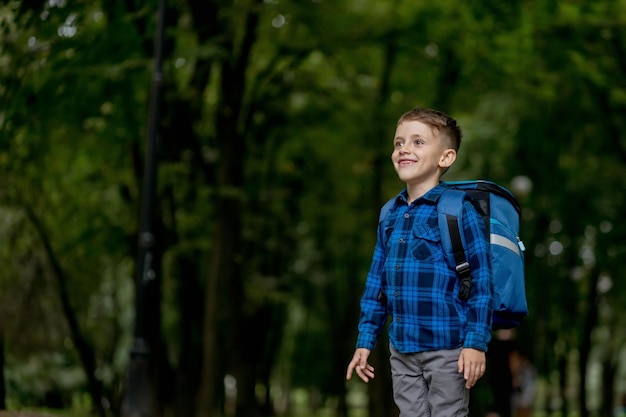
[419, 156]
[405, 162]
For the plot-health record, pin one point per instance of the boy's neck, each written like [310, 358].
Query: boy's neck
[415, 191]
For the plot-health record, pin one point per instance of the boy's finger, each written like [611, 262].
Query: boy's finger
[362, 375]
[478, 373]
[472, 376]
[350, 370]
[365, 373]
[459, 364]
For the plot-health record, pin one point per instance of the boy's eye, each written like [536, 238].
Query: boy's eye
[397, 144]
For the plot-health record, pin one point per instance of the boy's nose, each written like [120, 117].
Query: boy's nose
[403, 150]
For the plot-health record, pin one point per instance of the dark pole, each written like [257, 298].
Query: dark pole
[139, 398]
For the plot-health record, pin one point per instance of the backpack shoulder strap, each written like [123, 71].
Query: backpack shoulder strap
[449, 211]
[384, 211]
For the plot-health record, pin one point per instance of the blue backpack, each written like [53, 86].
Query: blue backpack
[501, 213]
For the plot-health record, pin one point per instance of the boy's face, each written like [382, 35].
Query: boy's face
[419, 156]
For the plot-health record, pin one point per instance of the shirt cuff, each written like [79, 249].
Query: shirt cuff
[476, 340]
[366, 341]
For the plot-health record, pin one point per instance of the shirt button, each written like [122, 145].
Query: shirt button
[396, 293]
[401, 240]
[397, 266]
[397, 318]
[406, 215]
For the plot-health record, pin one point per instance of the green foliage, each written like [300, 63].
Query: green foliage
[539, 89]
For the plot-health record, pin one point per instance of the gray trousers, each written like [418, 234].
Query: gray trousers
[428, 384]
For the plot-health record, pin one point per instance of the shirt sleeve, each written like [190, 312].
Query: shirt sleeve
[480, 303]
[373, 306]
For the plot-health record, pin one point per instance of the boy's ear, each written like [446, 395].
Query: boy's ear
[447, 158]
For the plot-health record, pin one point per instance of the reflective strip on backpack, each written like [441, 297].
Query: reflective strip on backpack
[503, 241]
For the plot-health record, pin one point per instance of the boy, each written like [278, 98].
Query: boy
[437, 341]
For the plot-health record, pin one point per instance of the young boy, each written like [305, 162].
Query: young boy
[437, 341]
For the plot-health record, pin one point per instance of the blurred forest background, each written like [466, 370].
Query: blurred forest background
[275, 127]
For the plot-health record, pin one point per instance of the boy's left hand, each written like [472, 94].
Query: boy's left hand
[472, 363]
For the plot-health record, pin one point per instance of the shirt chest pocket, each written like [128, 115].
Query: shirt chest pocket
[427, 243]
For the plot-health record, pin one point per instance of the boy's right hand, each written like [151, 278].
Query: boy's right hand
[364, 370]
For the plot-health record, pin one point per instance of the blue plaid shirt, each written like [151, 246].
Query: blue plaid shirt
[414, 282]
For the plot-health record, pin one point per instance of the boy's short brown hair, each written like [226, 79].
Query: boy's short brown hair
[447, 127]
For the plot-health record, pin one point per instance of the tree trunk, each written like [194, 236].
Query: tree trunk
[499, 374]
[609, 372]
[380, 390]
[225, 289]
[219, 273]
[190, 304]
[3, 390]
[343, 309]
[83, 347]
[562, 371]
[590, 321]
